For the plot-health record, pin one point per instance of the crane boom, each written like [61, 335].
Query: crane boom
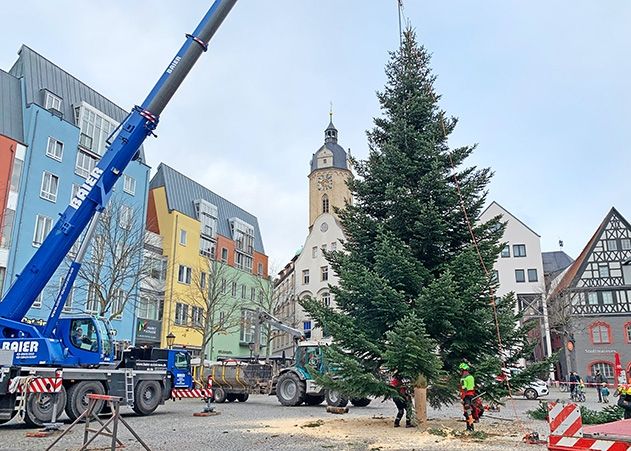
[265, 318]
[94, 193]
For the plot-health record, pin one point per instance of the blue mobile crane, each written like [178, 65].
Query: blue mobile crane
[52, 352]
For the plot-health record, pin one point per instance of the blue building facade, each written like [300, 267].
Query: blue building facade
[66, 125]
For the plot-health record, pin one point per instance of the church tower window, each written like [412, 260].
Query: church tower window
[325, 204]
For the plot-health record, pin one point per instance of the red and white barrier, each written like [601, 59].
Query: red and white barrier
[191, 393]
[566, 432]
[34, 384]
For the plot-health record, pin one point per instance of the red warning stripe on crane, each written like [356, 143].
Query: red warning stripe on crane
[43, 385]
[191, 393]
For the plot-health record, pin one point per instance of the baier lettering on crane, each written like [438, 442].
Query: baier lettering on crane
[85, 188]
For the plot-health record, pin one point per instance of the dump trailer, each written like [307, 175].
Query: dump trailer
[50, 368]
[234, 380]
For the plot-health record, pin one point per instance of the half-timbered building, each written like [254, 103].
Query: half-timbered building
[590, 303]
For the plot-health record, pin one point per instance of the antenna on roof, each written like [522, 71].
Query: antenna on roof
[400, 7]
[560, 244]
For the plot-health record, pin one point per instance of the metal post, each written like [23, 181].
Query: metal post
[115, 408]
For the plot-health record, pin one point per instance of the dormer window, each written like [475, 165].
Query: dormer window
[52, 102]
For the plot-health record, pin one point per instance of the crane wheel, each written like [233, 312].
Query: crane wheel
[40, 406]
[314, 400]
[290, 390]
[147, 397]
[77, 399]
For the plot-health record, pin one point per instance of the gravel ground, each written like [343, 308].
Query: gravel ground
[263, 424]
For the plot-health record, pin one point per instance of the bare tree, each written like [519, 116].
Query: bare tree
[214, 309]
[114, 266]
[267, 302]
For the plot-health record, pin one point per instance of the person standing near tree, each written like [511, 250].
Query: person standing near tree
[467, 392]
[599, 380]
[403, 401]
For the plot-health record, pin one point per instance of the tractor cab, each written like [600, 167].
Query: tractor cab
[309, 355]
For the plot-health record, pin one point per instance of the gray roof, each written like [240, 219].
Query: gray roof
[41, 74]
[10, 107]
[555, 261]
[181, 192]
[339, 154]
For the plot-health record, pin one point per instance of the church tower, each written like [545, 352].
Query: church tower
[330, 170]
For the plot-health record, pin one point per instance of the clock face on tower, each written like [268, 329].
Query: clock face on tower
[325, 182]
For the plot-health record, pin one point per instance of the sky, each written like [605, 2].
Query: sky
[541, 87]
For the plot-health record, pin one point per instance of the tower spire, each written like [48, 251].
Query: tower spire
[331, 112]
[330, 134]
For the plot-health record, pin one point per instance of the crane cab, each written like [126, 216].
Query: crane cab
[87, 339]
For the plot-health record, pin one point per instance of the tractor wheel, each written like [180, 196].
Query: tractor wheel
[360, 402]
[290, 390]
[77, 399]
[242, 397]
[219, 394]
[147, 397]
[232, 397]
[39, 407]
[334, 399]
[314, 400]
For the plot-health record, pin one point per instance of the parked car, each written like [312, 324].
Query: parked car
[535, 389]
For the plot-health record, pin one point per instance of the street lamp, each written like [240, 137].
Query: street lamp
[170, 340]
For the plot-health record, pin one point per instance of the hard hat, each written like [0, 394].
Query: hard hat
[463, 366]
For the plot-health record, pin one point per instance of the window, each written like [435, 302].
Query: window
[129, 184]
[38, 301]
[118, 303]
[43, 224]
[505, 251]
[603, 270]
[607, 297]
[325, 204]
[181, 313]
[600, 333]
[532, 275]
[85, 164]
[314, 251]
[244, 292]
[242, 261]
[243, 236]
[184, 274]
[519, 250]
[305, 276]
[54, 149]
[592, 298]
[520, 276]
[260, 269]
[252, 294]
[306, 327]
[334, 246]
[224, 254]
[625, 244]
[605, 368]
[202, 280]
[324, 273]
[326, 299]
[125, 217]
[627, 332]
[612, 245]
[495, 276]
[50, 183]
[52, 102]
[92, 302]
[234, 289]
[246, 334]
[95, 128]
[157, 268]
[148, 308]
[197, 316]
[206, 247]
[183, 237]
[224, 286]
[207, 215]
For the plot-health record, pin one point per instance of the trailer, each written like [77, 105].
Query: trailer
[234, 380]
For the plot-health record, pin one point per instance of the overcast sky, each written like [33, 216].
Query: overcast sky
[543, 88]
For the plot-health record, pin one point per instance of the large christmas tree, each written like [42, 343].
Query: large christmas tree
[414, 294]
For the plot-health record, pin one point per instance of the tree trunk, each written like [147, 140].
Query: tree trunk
[420, 404]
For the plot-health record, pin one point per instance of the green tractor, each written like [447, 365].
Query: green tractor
[295, 385]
